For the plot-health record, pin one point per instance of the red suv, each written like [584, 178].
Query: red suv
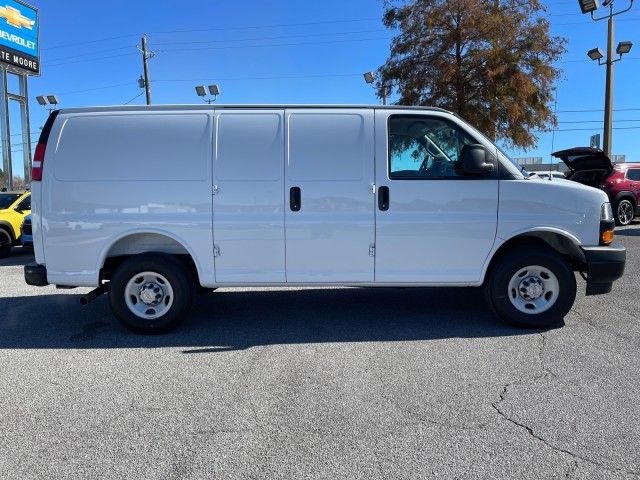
[621, 182]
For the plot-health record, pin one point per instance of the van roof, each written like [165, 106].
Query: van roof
[134, 108]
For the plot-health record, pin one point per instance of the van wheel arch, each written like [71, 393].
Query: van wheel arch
[141, 243]
[560, 244]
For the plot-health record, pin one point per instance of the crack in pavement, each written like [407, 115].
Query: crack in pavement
[546, 371]
[599, 328]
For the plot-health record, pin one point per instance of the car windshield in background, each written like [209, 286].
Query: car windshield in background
[6, 199]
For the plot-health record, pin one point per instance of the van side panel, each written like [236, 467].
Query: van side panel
[248, 207]
[330, 163]
[109, 175]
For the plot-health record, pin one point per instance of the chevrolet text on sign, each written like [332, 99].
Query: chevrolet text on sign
[19, 36]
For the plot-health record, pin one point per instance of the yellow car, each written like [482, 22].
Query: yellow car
[14, 206]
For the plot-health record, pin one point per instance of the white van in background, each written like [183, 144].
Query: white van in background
[149, 203]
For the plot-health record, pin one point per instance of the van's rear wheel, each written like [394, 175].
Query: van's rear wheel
[531, 287]
[151, 293]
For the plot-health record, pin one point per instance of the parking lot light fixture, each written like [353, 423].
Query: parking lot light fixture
[214, 91]
[623, 48]
[588, 6]
[595, 54]
[369, 77]
[45, 100]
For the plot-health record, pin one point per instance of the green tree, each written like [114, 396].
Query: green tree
[491, 62]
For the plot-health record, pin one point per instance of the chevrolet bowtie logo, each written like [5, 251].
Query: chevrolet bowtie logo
[15, 18]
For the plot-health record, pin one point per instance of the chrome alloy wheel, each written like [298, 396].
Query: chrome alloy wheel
[625, 212]
[148, 295]
[533, 289]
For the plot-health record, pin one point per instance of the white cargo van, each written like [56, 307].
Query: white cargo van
[150, 203]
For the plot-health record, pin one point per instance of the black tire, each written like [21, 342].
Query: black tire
[5, 243]
[531, 287]
[151, 293]
[625, 211]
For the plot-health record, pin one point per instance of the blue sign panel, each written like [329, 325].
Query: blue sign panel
[19, 35]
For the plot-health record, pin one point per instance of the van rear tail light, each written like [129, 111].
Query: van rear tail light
[38, 157]
[38, 162]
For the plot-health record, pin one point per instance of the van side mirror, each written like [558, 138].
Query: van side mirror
[476, 160]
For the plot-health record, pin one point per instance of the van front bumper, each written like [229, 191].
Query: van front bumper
[35, 274]
[604, 266]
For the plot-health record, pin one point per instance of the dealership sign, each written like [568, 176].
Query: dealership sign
[19, 36]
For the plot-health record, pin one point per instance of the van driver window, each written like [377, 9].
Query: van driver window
[425, 147]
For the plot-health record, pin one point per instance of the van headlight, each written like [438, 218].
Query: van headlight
[607, 224]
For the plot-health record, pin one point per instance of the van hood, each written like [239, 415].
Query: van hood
[584, 158]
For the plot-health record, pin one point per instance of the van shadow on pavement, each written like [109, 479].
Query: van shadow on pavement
[233, 320]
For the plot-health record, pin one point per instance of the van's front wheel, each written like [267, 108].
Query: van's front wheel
[151, 293]
[531, 287]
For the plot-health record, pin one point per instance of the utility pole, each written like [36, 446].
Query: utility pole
[146, 56]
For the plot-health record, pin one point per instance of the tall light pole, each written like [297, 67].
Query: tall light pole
[590, 6]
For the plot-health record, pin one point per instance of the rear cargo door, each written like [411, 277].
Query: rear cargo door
[329, 202]
[248, 191]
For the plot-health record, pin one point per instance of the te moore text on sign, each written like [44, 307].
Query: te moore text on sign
[19, 60]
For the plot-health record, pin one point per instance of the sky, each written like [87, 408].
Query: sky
[292, 52]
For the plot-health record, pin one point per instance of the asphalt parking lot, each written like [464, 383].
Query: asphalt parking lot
[319, 383]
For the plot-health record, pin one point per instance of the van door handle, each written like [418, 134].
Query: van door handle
[383, 199]
[295, 199]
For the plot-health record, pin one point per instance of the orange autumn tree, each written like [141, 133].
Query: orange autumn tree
[489, 61]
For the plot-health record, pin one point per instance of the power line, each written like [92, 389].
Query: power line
[281, 37]
[584, 129]
[600, 110]
[90, 53]
[600, 121]
[304, 24]
[139, 95]
[75, 44]
[285, 25]
[280, 77]
[294, 44]
[48, 65]
[221, 48]
[352, 32]
[96, 88]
